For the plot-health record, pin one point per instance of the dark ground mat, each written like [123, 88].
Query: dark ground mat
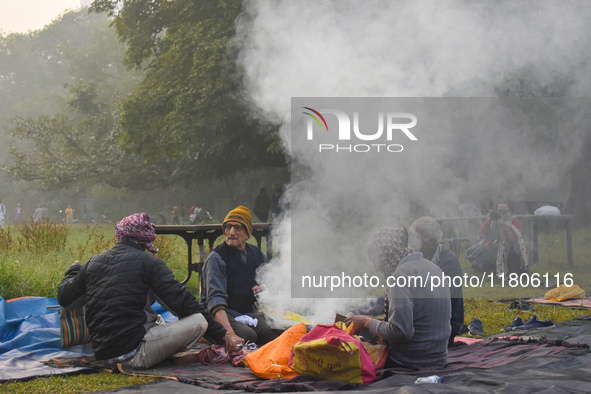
[533, 365]
[574, 331]
[167, 386]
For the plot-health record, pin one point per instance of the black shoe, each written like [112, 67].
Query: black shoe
[515, 323]
[535, 323]
[532, 319]
[520, 306]
[476, 328]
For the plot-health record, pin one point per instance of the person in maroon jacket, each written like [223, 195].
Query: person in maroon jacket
[505, 230]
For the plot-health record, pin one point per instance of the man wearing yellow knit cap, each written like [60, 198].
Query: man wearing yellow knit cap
[228, 281]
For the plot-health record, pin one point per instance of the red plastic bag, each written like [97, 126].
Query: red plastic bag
[328, 352]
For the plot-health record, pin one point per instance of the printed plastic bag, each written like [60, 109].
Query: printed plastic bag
[271, 361]
[378, 353]
[563, 293]
[328, 352]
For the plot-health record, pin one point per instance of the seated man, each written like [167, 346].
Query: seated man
[502, 229]
[228, 281]
[425, 237]
[118, 288]
[417, 326]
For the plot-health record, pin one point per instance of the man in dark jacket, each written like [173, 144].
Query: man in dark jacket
[262, 204]
[425, 237]
[118, 288]
[228, 281]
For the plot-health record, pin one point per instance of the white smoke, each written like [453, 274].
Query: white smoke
[419, 48]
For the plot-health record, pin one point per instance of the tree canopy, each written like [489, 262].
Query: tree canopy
[64, 120]
[190, 107]
[161, 107]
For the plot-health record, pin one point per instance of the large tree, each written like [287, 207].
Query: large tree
[164, 110]
[62, 87]
[189, 109]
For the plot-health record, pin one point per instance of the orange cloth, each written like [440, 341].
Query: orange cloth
[271, 360]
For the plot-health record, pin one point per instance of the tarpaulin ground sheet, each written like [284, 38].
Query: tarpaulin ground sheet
[528, 364]
[584, 303]
[581, 303]
[30, 333]
[544, 360]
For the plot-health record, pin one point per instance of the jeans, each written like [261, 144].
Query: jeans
[163, 340]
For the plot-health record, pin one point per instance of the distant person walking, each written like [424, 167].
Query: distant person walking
[276, 210]
[38, 214]
[2, 214]
[18, 214]
[176, 215]
[69, 214]
[262, 204]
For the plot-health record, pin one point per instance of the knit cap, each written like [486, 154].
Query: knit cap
[241, 215]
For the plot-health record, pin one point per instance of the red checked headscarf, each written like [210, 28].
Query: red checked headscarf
[139, 229]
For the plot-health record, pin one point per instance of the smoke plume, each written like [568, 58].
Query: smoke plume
[418, 48]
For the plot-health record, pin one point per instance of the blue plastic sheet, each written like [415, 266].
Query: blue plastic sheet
[30, 333]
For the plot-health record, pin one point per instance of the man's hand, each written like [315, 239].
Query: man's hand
[258, 289]
[75, 263]
[360, 323]
[233, 342]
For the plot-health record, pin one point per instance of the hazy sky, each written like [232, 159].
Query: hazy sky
[19, 16]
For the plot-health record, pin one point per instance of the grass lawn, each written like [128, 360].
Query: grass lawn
[34, 259]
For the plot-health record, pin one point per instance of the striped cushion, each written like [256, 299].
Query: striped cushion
[73, 330]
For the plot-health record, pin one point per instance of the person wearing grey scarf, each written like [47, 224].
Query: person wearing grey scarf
[417, 322]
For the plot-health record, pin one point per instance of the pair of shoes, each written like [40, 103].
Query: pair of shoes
[520, 306]
[533, 322]
[476, 328]
[515, 323]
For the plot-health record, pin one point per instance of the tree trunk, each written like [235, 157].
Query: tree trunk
[579, 201]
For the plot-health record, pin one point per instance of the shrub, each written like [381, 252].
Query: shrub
[95, 243]
[43, 237]
[6, 241]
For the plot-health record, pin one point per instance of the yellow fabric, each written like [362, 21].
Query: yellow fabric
[241, 215]
[563, 293]
[271, 360]
[326, 361]
[343, 326]
[296, 317]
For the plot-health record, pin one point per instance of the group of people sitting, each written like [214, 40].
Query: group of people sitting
[119, 286]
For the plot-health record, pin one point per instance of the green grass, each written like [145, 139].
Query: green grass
[85, 383]
[27, 271]
[552, 261]
[496, 316]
